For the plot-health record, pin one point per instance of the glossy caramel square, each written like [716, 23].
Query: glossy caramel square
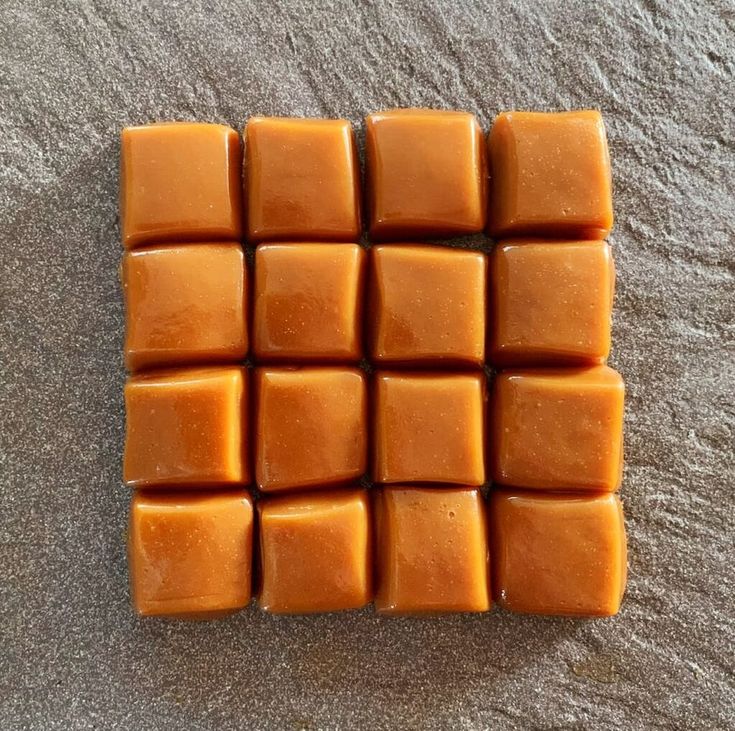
[426, 174]
[302, 180]
[308, 302]
[558, 553]
[186, 428]
[431, 551]
[190, 554]
[427, 305]
[550, 303]
[558, 429]
[185, 304]
[180, 181]
[550, 175]
[315, 552]
[429, 427]
[311, 427]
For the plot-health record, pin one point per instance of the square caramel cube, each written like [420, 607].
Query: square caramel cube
[311, 427]
[308, 301]
[427, 305]
[315, 552]
[180, 181]
[186, 428]
[426, 174]
[558, 553]
[190, 554]
[429, 427]
[185, 304]
[558, 429]
[302, 180]
[551, 303]
[432, 551]
[550, 175]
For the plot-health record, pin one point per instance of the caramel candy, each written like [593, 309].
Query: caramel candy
[550, 175]
[302, 180]
[180, 181]
[429, 428]
[426, 174]
[315, 552]
[190, 554]
[558, 554]
[551, 303]
[308, 302]
[185, 304]
[558, 428]
[432, 551]
[186, 428]
[311, 427]
[427, 305]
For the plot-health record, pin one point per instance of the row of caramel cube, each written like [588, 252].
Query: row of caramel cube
[407, 549]
[541, 303]
[309, 424]
[426, 177]
[311, 427]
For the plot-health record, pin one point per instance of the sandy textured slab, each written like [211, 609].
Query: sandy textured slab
[72, 656]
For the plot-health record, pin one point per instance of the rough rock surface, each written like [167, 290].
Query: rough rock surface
[72, 655]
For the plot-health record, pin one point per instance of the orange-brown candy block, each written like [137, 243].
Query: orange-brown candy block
[302, 180]
[429, 428]
[315, 552]
[190, 554]
[558, 553]
[186, 428]
[432, 551]
[551, 303]
[180, 181]
[308, 302]
[550, 175]
[426, 173]
[311, 427]
[427, 305]
[558, 429]
[185, 304]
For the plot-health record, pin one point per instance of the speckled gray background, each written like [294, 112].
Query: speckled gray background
[72, 655]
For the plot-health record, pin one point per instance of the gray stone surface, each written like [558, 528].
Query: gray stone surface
[72, 655]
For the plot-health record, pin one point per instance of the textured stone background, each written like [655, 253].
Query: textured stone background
[72, 655]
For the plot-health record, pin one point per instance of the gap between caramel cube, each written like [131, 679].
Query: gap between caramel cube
[186, 428]
[310, 427]
[180, 181]
[431, 551]
[550, 175]
[315, 551]
[551, 303]
[302, 180]
[558, 553]
[426, 174]
[427, 305]
[185, 304]
[308, 302]
[429, 427]
[190, 554]
[558, 429]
